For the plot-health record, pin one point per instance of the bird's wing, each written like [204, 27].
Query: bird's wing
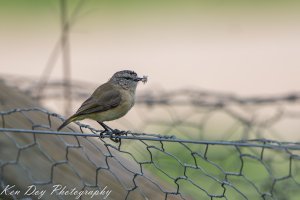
[104, 98]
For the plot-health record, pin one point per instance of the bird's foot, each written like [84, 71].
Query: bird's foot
[112, 132]
[120, 133]
[116, 140]
[117, 132]
[102, 133]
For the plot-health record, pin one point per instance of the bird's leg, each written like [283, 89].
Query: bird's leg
[110, 130]
[115, 131]
[106, 128]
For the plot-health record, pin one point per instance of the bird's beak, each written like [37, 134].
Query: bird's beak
[144, 79]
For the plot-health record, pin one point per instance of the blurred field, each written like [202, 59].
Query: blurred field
[244, 47]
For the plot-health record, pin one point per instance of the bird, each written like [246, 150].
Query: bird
[110, 101]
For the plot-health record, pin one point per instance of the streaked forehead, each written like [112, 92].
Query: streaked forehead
[125, 72]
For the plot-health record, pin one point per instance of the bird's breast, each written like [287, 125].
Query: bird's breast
[127, 101]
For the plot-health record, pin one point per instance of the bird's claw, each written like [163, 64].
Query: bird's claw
[113, 132]
[120, 133]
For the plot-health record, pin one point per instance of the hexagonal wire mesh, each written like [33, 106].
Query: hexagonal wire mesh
[218, 151]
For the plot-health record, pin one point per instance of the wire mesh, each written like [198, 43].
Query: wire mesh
[211, 146]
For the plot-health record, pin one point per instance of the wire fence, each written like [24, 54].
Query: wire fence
[211, 146]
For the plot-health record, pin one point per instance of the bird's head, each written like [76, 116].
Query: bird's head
[127, 79]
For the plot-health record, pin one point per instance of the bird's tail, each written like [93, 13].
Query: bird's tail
[69, 120]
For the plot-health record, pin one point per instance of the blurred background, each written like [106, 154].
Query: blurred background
[217, 70]
[245, 47]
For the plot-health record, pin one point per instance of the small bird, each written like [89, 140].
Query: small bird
[109, 101]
